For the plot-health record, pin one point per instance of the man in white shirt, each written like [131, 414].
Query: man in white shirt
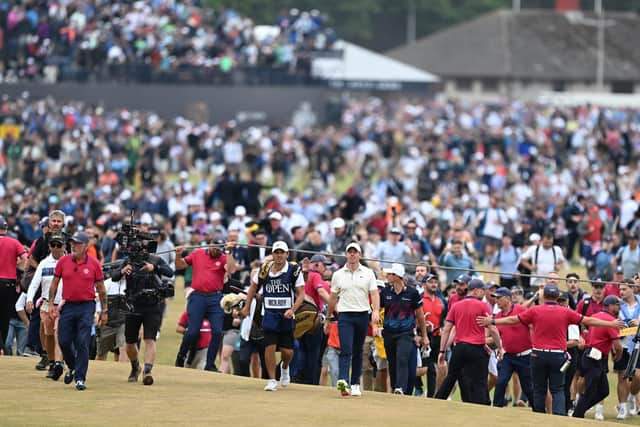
[48, 327]
[351, 287]
[543, 258]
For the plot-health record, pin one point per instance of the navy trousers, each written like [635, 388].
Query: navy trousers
[204, 306]
[352, 329]
[74, 333]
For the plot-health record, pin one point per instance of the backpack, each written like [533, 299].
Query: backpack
[553, 251]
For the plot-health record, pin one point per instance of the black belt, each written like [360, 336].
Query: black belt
[78, 302]
[8, 282]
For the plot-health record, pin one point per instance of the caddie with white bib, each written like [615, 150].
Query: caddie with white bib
[282, 287]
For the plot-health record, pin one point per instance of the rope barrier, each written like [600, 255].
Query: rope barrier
[380, 261]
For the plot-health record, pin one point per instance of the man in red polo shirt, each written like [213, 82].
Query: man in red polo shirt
[550, 322]
[591, 305]
[210, 265]
[461, 283]
[469, 354]
[12, 255]
[434, 309]
[516, 342]
[82, 276]
[599, 343]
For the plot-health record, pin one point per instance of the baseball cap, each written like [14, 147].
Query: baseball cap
[534, 237]
[462, 279]
[240, 211]
[396, 269]
[610, 300]
[275, 215]
[280, 246]
[491, 284]
[218, 241]
[476, 284]
[551, 292]
[215, 216]
[517, 289]
[338, 223]
[428, 277]
[44, 221]
[353, 245]
[3, 222]
[564, 296]
[56, 238]
[619, 269]
[502, 292]
[395, 230]
[320, 258]
[608, 238]
[597, 282]
[80, 237]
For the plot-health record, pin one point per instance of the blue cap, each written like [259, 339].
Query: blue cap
[476, 284]
[551, 292]
[462, 279]
[610, 300]
[428, 277]
[502, 292]
[490, 284]
[80, 237]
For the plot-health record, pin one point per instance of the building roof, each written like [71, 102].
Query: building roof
[532, 44]
[358, 63]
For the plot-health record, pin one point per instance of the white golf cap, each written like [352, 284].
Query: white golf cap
[240, 211]
[280, 246]
[215, 216]
[534, 237]
[337, 223]
[397, 269]
[353, 245]
[275, 215]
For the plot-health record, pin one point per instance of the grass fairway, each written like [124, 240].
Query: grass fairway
[186, 397]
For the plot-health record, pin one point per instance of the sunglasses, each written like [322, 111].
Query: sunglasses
[56, 245]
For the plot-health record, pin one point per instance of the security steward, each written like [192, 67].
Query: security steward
[599, 342]
[12, 255]
[402, 312]
[210, 265]
[82, 276]
[470, 356]
[516, 342]
[550, 322]
[282, 286]
[145, 295]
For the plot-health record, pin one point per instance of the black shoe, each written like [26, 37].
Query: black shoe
[147, 379]
[80, 385]
[211, 368]
[50, 371]
[180, 361]
[43, 363]
[69, 376]
[134, 374]
[58, 370]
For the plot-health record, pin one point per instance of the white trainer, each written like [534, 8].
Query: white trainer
[631, 405]
[598, 415]
[622, 411]
[285, 378]
[271, 386]
[355, 390]
[398, 391]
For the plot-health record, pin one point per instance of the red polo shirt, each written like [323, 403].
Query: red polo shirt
[602, 338]
[611, 289]
[463, 315]
[78, 278]
[10, 250]
[208, 273]
[594, 307]
[205, 330]
[434, 307]
[550, 323]
[313, 285]
[515, 338]
[454, 299]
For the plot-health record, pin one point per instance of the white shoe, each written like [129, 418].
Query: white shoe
[398, 391]
[631, 405]
[285, 378]
[598, 415]
[271, 385]
[622, 411]
[355, 390]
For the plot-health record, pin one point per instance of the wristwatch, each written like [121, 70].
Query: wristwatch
[493, 322]
[227, 251]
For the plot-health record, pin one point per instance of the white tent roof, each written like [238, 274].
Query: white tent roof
[363, 64]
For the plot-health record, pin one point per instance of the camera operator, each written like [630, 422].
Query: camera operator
[146, 293]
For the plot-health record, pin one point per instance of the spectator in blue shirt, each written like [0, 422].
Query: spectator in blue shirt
[456, 262]
[506, 259]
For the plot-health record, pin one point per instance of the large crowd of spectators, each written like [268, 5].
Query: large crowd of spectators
[428, 172]
[155, 39]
